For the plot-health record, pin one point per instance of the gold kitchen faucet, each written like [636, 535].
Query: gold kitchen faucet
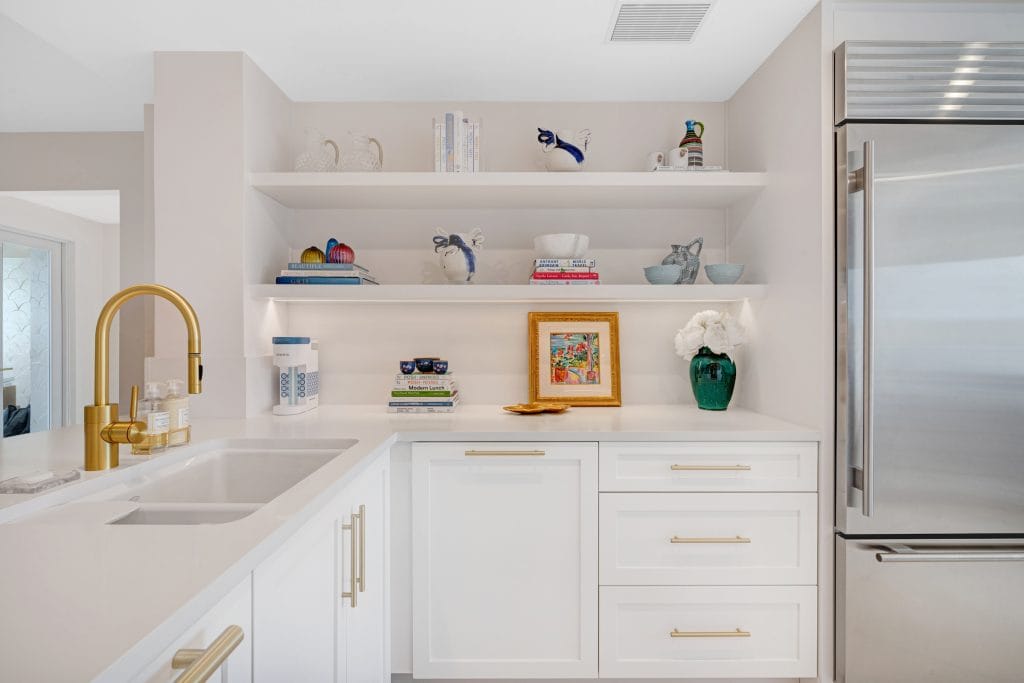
[104, 432]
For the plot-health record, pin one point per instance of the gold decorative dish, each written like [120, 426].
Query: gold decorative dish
[536, 408]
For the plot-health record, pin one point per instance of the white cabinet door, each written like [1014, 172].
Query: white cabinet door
[364, 652]
[504, 560]
[708, 538]
[235, 609]
[295, 593]
[709, 632]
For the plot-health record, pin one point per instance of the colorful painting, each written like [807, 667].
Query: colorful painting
[575, 357]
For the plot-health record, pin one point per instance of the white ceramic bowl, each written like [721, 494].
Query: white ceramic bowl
[561, 245]
[724, 273]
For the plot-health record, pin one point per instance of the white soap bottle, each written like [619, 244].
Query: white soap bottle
[151, 411]
[176, 405]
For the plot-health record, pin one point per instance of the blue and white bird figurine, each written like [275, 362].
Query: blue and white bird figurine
[563, 150]
[456, 250]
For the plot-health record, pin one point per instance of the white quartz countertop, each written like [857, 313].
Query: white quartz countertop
[83, 601]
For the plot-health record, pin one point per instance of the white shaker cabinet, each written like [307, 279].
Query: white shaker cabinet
[220, 626]
[307, 626]
[294, 600]
[504, 560]
[363, 617]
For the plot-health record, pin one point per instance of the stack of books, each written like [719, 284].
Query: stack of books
[325, 274]
[456, 143]
[565, 271]
[423, 393]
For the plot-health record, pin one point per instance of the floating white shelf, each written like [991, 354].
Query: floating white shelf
[501, 189]
[505, 293]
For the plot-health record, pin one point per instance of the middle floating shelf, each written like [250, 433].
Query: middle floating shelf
[509, 189]
[507, 293]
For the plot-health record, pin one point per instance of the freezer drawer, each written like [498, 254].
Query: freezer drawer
[939, 611]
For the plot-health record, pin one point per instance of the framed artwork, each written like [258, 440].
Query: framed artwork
[574, 358]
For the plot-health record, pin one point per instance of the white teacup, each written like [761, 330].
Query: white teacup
[676, 157]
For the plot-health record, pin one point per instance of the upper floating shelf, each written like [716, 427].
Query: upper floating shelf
[493, 294]
[501, 189]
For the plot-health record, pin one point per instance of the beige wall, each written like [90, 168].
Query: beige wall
[94, 161]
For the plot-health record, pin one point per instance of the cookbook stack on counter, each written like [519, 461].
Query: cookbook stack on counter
[325, 274]
[423, 393]
[565, 271]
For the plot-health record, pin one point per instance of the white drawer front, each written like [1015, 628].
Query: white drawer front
[708, 538]
[736, 631]
[708, 466]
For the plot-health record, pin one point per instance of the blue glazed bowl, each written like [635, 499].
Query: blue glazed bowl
[407, 366]
[425, 364]
[663, 275]
[724, 273]
[440, 366]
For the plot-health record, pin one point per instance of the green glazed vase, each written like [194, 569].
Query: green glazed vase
[713, 377]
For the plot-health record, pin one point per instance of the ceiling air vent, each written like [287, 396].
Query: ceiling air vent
[658, 22]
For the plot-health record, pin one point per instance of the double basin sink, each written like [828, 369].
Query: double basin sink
[215, 485]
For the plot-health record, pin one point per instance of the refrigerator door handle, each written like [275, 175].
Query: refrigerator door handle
[863, 179]
[905, 553]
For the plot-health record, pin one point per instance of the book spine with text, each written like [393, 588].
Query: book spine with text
[566, 276]
[437, 145]
[301, 280]
[326, 266]
[449, 135]
[564, 282]
[565, 263]
[410, 410]
[570, 269]
[422, 393]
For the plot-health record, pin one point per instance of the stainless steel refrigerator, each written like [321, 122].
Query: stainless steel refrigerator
[930, 362]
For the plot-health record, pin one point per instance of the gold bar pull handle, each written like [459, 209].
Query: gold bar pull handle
[199, 665]
[710, 468]
[353, 582]
[525, 453]
[709, 539]
[362, 548]
[738, 633]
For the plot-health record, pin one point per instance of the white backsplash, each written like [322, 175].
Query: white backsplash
[486, 344]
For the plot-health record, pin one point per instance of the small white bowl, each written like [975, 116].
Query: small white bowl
[724, 273]
[561, 245]
[664, 275]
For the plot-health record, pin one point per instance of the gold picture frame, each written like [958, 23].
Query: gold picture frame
[574, 359]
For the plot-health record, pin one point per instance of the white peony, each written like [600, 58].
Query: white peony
[718, 331]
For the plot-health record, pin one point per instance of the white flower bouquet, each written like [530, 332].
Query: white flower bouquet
[718, 331]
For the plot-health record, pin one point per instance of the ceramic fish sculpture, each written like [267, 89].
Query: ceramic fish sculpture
[563, 150]
[457, 255]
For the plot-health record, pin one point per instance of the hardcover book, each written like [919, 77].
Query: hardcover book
[565, 263]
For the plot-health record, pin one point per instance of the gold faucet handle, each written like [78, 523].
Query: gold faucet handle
[133, 407]
[131, 431]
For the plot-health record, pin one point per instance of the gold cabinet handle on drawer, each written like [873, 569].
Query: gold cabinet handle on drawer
[476, 453]
[738, 633]
[353, 582]
[199, 665]
[362, 548]
[710, 539]
[710, 468]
